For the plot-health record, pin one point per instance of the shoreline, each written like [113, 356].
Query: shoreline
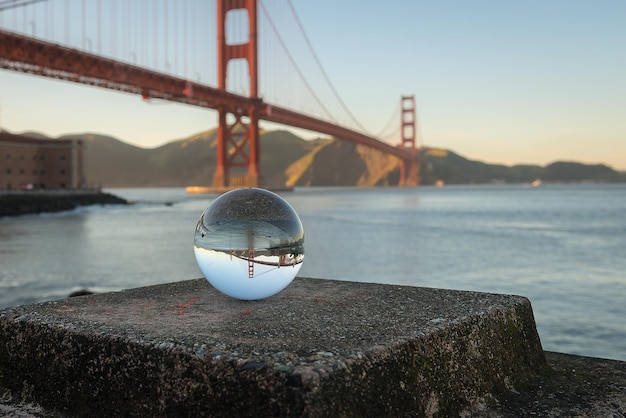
[33, 202]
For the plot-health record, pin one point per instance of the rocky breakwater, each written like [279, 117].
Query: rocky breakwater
[23, 203]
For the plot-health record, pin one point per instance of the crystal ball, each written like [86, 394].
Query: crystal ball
[249, 243]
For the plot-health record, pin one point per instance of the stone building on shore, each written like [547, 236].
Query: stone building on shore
[29, 163]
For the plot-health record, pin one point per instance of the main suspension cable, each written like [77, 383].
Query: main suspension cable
[10, 4]
[394, 117]
[319, 64]
[293, 62]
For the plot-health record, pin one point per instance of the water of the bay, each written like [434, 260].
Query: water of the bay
[562, 246]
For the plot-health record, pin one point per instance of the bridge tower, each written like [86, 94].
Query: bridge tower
[408, 168]
[237, 141]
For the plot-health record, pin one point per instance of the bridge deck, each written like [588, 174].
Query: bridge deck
[35, 56]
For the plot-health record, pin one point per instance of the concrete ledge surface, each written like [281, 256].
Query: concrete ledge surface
[318, 348]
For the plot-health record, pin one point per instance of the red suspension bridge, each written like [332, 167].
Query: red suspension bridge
[162, 50]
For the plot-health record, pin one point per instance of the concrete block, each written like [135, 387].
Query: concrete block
[319, 348]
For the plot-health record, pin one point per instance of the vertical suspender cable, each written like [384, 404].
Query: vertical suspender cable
[124, 37]
[141, 37]
[99, 27]
[165, 45]
[144, 36]
[138, 37]
[304, 83]
[319, 64]
[84, 43]
[45, 14]
[154, 34]
[113, 36]
[185, 73]
[67, 22]
[127, 35]
[194, 38]
[175, 37]
[132, 44]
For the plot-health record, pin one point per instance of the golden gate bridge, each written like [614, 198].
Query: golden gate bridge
[165, 50]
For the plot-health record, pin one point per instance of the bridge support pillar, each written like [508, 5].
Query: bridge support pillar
[409, 169]
[219, 177]
[409, 173]
[253, 141]
[237, 149]
[238, 142]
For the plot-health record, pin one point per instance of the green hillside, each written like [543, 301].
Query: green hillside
[338, 163]
[110, 162]
[452, 168]
[191, 161]
[288, 160]
[279, 149]
[185, 162]
[577, 172]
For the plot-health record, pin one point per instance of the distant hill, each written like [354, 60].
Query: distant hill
[288, 160]
[333, 163]
[451, 168]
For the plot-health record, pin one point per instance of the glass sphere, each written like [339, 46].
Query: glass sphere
[249, 243]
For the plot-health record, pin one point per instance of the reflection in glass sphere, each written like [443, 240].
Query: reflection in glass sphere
[249, 243]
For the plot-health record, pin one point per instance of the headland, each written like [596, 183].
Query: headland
[42, 201]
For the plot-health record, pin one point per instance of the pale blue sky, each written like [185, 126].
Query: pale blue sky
[500, 81]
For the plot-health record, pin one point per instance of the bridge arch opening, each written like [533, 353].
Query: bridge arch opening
[238, 76]
[237, 27]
